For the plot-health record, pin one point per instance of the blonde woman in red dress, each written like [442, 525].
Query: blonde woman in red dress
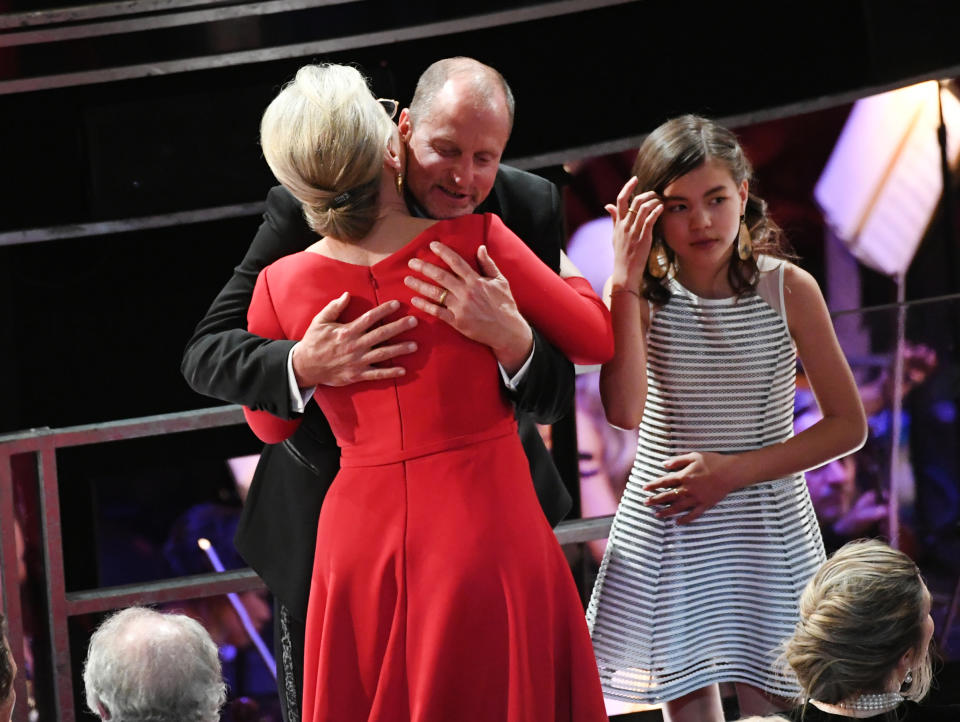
[439, 591]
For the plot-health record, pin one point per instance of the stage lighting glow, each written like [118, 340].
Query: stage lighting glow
[883, 181]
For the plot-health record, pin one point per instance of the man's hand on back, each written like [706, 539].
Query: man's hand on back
[481, 307]
[336, 354]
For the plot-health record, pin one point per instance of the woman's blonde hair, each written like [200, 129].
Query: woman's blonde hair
[861, 612]
[323, 137]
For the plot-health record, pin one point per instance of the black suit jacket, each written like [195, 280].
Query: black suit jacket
[277, 532]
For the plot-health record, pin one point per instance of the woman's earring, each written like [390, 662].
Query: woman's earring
[744, 241]
[908, 679]
[657, 261]
[400, 184]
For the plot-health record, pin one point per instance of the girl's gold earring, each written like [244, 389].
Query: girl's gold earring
[657, 261]
[400, 184]
[744, 241]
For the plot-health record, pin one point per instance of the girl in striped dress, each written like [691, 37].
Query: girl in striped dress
[715, 536]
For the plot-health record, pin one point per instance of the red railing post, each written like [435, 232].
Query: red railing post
[58, 619]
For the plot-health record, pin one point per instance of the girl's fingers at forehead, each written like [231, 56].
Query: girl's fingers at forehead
[650, 203]
[643, 198]
[653, 215]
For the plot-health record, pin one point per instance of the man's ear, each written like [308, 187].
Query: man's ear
[405, 125]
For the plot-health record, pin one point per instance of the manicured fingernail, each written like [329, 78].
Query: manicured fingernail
[414, 263]
[434, 246]
[411, 347]
[411, 321]
[394, 305]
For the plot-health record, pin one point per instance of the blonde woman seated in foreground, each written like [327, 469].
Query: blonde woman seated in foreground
[862, 646]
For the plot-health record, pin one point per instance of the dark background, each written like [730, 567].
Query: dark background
[93, 327]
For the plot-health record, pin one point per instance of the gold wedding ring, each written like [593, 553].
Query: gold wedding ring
[443, 296]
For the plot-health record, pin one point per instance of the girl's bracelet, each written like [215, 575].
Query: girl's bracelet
[615, 291]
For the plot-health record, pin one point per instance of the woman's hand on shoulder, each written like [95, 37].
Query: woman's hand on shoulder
[698, 481]
[633, 223]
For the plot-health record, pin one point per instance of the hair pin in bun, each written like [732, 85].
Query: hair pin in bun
[340, 200]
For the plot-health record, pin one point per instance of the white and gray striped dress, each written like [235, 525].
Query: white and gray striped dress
[676, 608]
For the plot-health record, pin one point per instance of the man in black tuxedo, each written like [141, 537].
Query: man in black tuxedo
[454, 131]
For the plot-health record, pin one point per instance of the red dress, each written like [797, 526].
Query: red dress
[439, 591]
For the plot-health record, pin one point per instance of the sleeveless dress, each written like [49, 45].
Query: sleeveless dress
[678, 607]
[439, 591]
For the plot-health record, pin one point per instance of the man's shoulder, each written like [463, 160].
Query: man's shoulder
[530, 207]
[285, 214]
[521, 198]
[512, 179]
[280, 201]
[280, 197]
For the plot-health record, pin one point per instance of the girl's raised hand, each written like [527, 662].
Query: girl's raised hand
[698, 482]
[633, 222]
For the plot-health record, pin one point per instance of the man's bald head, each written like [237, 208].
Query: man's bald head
[485, 85]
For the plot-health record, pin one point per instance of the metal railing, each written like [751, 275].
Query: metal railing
[61, 605]
[75, 25]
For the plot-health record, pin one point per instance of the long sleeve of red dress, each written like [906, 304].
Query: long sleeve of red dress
[565, 310]
[262, 320]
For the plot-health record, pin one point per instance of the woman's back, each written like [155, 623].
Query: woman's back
[451, 388]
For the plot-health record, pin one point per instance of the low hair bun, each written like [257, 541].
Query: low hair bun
[323, 137]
